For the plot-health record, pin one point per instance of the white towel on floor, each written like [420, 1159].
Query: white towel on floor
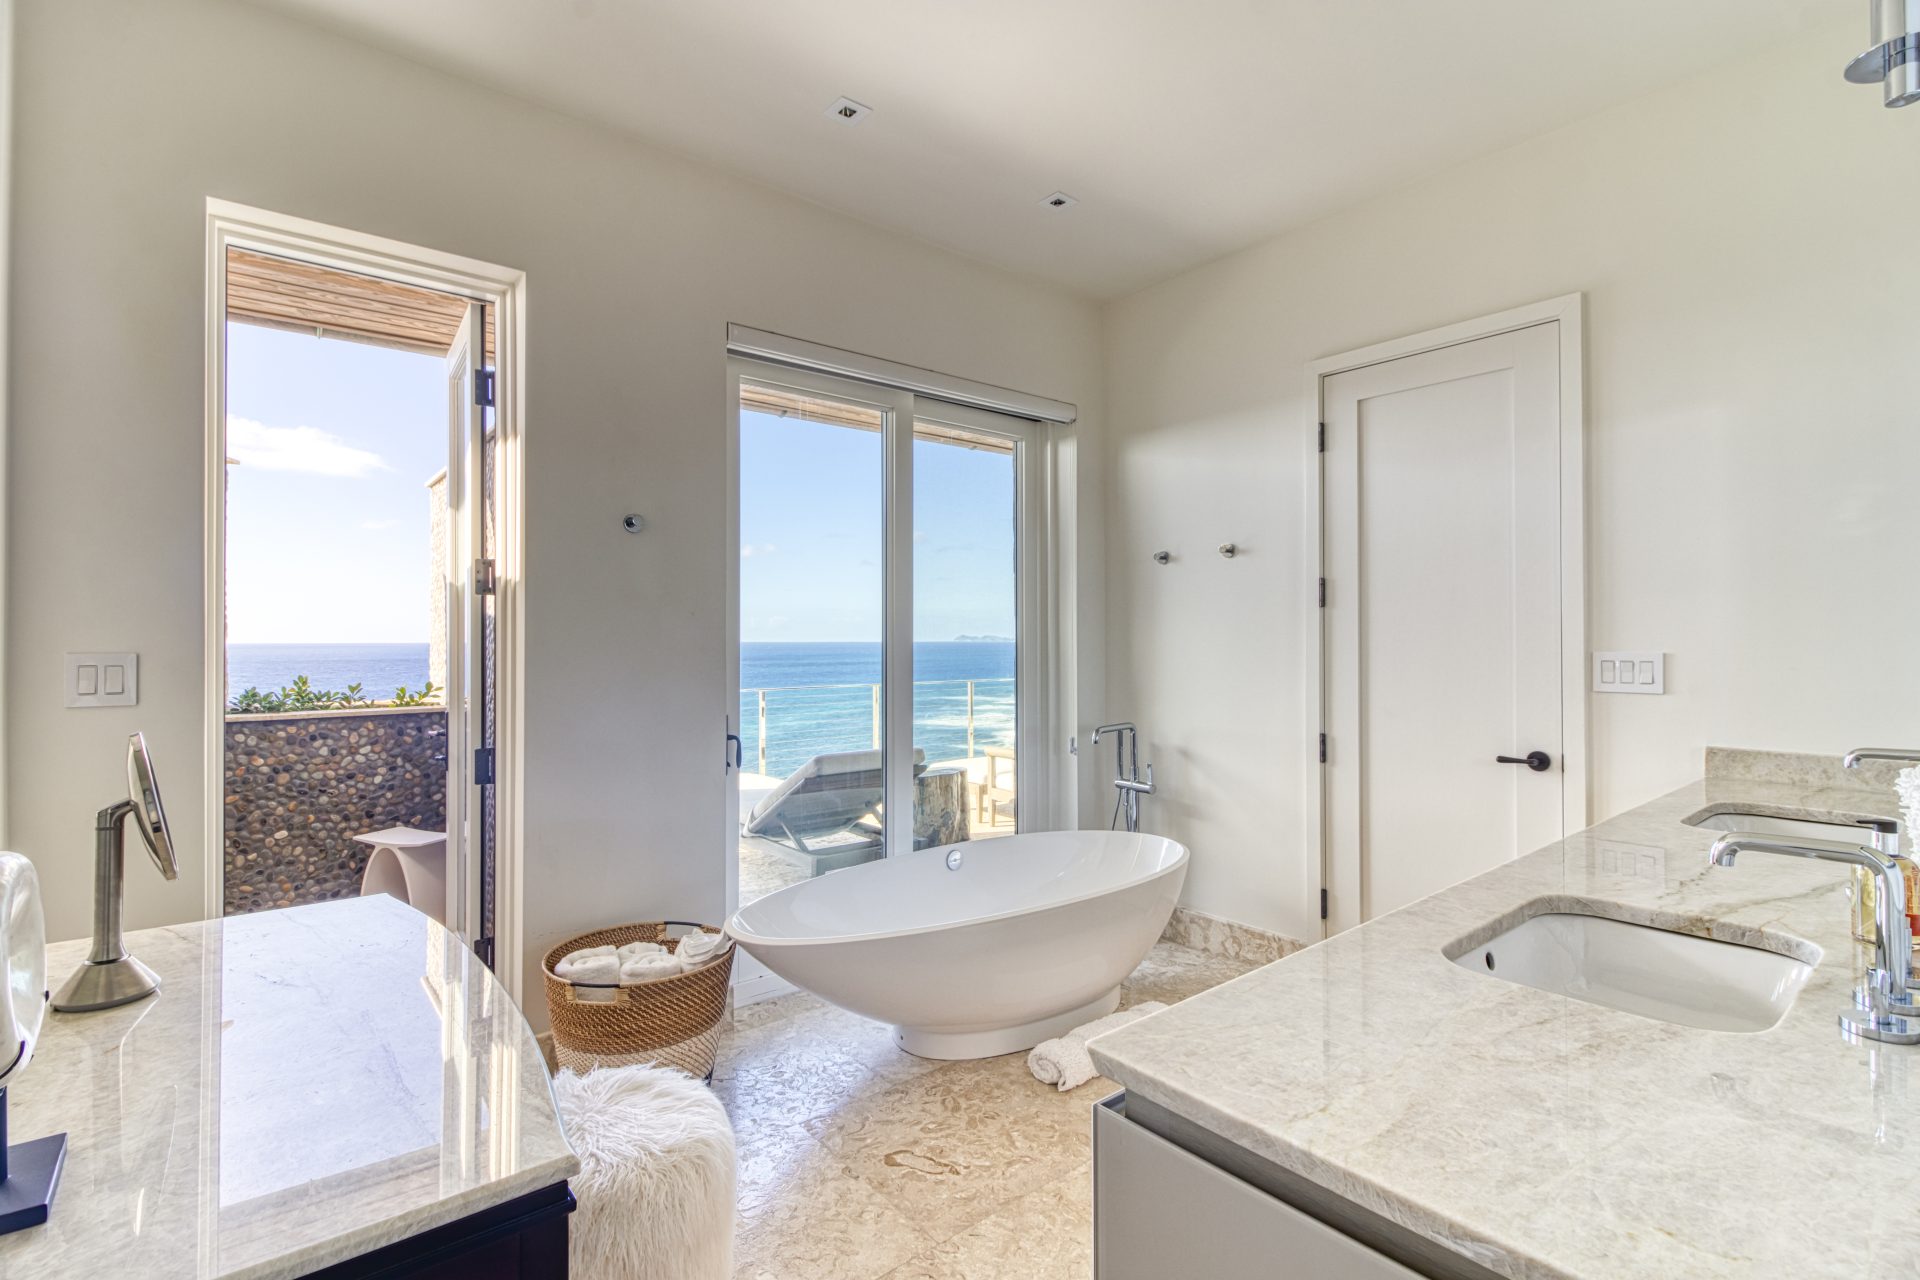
[596, 965]
[645, 968]
[633, 949]
[698, 948]
[1065, 1063]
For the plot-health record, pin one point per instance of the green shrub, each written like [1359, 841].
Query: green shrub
[432, 695]
[302, 696]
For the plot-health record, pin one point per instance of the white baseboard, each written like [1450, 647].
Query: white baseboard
[753, 988]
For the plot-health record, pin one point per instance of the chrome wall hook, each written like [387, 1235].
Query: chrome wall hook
[1161, 557]
[1227, 550]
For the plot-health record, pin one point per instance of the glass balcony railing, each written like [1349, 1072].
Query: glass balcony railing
[952, 720]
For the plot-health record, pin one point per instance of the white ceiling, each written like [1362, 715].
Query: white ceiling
[1186, 128]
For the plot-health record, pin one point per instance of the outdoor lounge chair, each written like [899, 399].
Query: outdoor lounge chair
[827, 810]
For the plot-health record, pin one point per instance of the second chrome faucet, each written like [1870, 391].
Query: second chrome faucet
[1887, 1006]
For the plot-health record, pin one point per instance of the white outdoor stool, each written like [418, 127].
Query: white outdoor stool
[409, 865]
[656, 1180]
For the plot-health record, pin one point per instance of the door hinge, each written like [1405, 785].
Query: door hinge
[483, 384]
[483, 947]
[1323, 437]
[1323, 748]
[1323, 908]
[483, 766]
[484, 580]
[1323, 593]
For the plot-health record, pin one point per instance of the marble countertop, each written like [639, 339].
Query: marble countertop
[1541, 1136]
[309, 1084]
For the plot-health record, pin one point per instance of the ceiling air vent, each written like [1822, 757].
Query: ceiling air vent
[847, 111]
[1059, 200]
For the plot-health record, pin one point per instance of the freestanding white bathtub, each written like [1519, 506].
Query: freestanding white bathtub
[976, 949]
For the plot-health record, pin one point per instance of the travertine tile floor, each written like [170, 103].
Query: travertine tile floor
[860, 1162]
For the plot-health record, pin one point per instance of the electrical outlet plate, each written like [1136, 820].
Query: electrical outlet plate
[103, 679]
[1617, 859]
[1629, 671]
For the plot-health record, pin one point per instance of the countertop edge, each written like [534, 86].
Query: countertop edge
[366, 1239]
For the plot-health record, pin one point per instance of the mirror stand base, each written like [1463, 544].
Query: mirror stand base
[106, 984]
[29, 1172]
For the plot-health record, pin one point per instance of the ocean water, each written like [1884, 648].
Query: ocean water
[819, 697]
[378, 668]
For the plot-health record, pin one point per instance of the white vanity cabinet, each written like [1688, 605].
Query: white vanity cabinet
[1159, 1211]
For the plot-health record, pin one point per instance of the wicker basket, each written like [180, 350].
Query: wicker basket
[674, 1021]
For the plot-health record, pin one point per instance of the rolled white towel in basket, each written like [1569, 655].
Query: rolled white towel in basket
[647, 967]
[595, 965]
[633, 949]
[697, 948]
[1065, 1062]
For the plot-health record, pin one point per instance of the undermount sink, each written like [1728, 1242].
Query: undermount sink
[1673, 977]
[1761, 824]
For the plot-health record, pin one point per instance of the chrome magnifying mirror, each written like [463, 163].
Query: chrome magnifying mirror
[110, 976]
[143, 792]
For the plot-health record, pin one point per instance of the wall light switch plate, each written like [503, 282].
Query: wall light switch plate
[103, 679]
[1629, 672]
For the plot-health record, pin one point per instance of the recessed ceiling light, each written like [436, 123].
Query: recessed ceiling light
[847, 111]
[1059, 200]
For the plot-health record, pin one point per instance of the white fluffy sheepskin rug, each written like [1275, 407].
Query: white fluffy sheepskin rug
[656, 1179]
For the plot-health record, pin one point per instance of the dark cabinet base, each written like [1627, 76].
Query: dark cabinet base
[523, 1239]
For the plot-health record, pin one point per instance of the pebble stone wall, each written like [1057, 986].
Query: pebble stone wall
[300, 787]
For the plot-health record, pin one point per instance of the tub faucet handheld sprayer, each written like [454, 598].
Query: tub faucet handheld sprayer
[1126, 764]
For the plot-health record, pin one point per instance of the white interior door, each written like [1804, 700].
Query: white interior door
[1442, 545]
[469, 759]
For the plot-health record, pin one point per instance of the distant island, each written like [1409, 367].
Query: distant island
[983, 639]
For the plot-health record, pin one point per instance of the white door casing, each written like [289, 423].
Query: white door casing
[1453, 629]
[230, 225]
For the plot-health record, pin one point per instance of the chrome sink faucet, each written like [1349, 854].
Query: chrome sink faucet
[1886, 831]
[1887, 1009]
[1127, 780]
[1854, 758]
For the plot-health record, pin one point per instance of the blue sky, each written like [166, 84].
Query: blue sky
[327, 517]
[810, 535]
[327, 509]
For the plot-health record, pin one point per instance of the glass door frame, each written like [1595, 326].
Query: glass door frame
[1032, 561]
[901, 411]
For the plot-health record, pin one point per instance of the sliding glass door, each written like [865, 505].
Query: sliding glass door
[966, 549]
[885, 564]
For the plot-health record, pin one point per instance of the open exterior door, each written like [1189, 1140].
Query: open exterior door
[470, 594]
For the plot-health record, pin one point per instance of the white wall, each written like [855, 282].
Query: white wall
[6, 234]
[131, 114]
[1744, 243]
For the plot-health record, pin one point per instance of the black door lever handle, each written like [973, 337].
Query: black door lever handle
[1538, 761]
